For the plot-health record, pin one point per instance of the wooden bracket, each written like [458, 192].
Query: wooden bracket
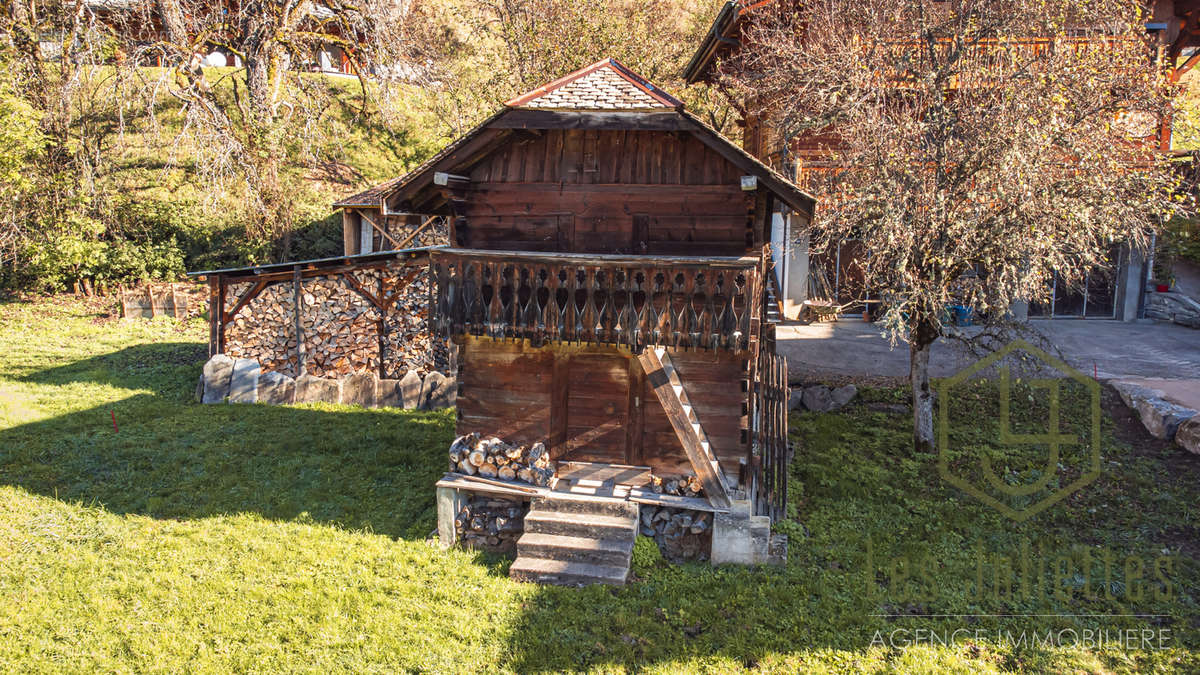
[380, 230]
[257, 288]
[361, 290]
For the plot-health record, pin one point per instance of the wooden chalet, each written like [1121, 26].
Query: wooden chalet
[607, 285]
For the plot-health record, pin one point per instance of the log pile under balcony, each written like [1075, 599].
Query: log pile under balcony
[492, 458]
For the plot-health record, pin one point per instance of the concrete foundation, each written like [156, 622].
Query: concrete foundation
[740, 538]
[449, 504]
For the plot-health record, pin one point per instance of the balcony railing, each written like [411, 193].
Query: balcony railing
[634, 301]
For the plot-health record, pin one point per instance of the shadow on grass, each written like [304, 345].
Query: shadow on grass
[172, 458]
[853, 481]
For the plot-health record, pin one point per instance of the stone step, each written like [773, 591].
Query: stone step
[586, 505]
[567, 573]
[620, 528]
[575, 549]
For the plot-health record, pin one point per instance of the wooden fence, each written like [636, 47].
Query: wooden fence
[770, 452]
[154, 300]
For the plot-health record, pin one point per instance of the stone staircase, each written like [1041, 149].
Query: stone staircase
[575, 541]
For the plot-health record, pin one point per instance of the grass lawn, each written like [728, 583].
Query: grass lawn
[220, 538]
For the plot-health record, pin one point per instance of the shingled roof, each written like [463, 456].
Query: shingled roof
[604, 85]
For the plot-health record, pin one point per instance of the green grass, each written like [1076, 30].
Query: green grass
[222, 538]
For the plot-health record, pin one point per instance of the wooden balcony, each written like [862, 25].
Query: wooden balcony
[631, 301]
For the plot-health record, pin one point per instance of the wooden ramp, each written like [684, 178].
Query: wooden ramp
[660, 372]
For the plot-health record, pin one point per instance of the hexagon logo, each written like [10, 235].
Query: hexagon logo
[1016, 498]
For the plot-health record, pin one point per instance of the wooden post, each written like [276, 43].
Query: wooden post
[150, 294]
[301, 352]
[216, 298]
[174, 301]
[634, 425]
[559, 391]
[382, 327]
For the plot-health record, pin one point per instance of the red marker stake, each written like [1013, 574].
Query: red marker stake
[114, 418]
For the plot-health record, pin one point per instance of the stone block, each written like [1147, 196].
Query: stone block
[243, 385]
[360, 389]
[1131, 393]
[438, 391]
[310, 389]
[1162, 418]
[818, 398]
[732, 540]
[217, 374]
[1188, 435]
[843, 395]
[276, 389]
[388, 394]
[410, 390]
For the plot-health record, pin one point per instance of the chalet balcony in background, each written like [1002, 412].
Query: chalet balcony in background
[631, 301]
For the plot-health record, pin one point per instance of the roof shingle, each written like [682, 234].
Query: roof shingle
[604, 85]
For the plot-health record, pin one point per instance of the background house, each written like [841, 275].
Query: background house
[836, 275]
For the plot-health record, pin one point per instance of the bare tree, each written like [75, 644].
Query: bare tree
[973, 147]
[253, 120]
[492, 50]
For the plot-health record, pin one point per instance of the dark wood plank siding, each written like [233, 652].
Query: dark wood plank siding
[505, 391]
[712, 381]
[584, 190]
[508, 389]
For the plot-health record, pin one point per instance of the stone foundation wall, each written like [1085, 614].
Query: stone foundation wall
[245, 381]
[342, 333]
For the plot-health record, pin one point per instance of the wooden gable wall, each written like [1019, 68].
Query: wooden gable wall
[607, 191]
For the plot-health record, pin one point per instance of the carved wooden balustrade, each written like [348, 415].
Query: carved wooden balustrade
[634, 301]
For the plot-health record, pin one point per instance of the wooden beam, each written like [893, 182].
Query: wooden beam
[723, 262]
[214, 315]
[424, 226]
[381, 333]
[635, 425]
[380, 230]
[683, 419]
[301, 352]
[559, 391]
[348, 238]
[357, 287]
[250, 294]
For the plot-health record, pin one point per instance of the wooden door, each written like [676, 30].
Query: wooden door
[598, 408]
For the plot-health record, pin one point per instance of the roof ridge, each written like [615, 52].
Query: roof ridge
[642, 88]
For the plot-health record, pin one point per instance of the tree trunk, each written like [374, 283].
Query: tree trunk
[920, 344]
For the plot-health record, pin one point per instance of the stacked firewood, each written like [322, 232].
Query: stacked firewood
[493, 458]
[681, 534]
[491, 523]
[408, 343]
[682, 486]
[264, 330]
[340, 327]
